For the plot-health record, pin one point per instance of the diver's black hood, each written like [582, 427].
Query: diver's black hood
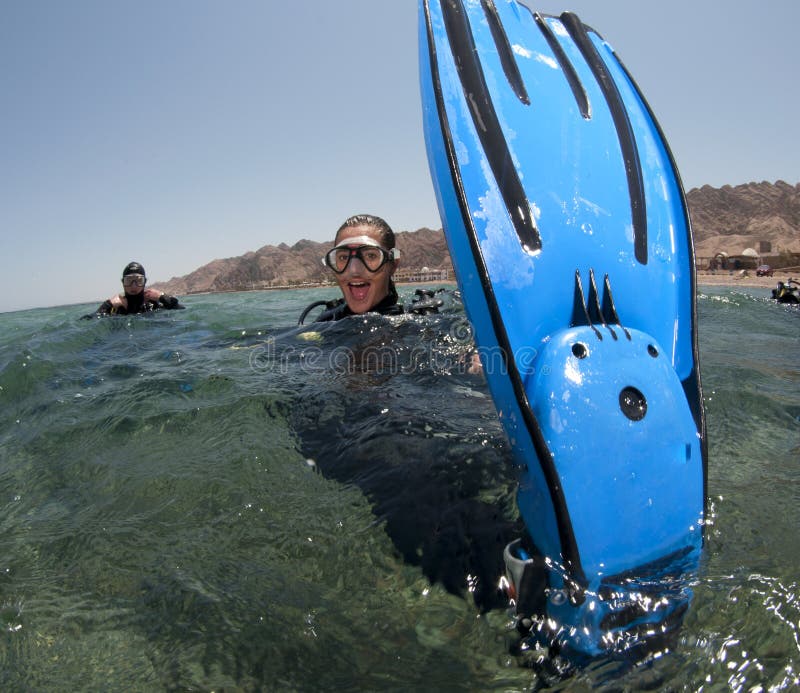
[134, 268]
[135, 301]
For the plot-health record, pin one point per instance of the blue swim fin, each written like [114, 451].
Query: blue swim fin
[569, 232]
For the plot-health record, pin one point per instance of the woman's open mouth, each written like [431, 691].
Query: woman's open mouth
[359, 290]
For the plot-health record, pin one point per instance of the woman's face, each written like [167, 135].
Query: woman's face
[361, 288]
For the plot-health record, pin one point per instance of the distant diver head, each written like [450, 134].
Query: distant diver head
[133, 281]
[133, 268]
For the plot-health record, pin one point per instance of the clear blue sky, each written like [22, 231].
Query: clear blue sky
[175, 132]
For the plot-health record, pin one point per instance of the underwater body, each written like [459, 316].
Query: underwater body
[220, 499]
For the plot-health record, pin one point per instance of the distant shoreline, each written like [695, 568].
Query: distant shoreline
[704, 278]
[724, 278]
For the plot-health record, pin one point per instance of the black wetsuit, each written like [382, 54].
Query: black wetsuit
[137, 304]
[336, 310]
[423, 304]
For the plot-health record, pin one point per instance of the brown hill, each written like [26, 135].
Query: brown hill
[763, 216]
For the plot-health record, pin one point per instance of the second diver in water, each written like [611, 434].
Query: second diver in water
[135, 297]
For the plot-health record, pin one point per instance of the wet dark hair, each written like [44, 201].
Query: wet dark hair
[385, 232]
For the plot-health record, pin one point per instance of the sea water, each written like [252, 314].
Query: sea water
[218, 499]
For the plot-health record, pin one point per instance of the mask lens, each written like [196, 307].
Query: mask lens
[341, 258]
[133, 280]
[372, 257]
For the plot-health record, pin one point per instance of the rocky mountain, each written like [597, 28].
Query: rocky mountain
[725, 220]
[284, 266]
[732, 218]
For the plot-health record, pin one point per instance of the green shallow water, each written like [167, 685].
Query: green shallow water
[213, 499]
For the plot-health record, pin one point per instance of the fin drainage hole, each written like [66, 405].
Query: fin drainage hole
[579, 350]
[633, 403]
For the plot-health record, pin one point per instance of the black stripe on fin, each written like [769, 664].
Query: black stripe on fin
[505, 51]
[487, 124]
[594, 307]
[622, 123]
[580, 308]
[581, 98]
[609, 309]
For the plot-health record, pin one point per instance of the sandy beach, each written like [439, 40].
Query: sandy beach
[723, 277]
[704, 278]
